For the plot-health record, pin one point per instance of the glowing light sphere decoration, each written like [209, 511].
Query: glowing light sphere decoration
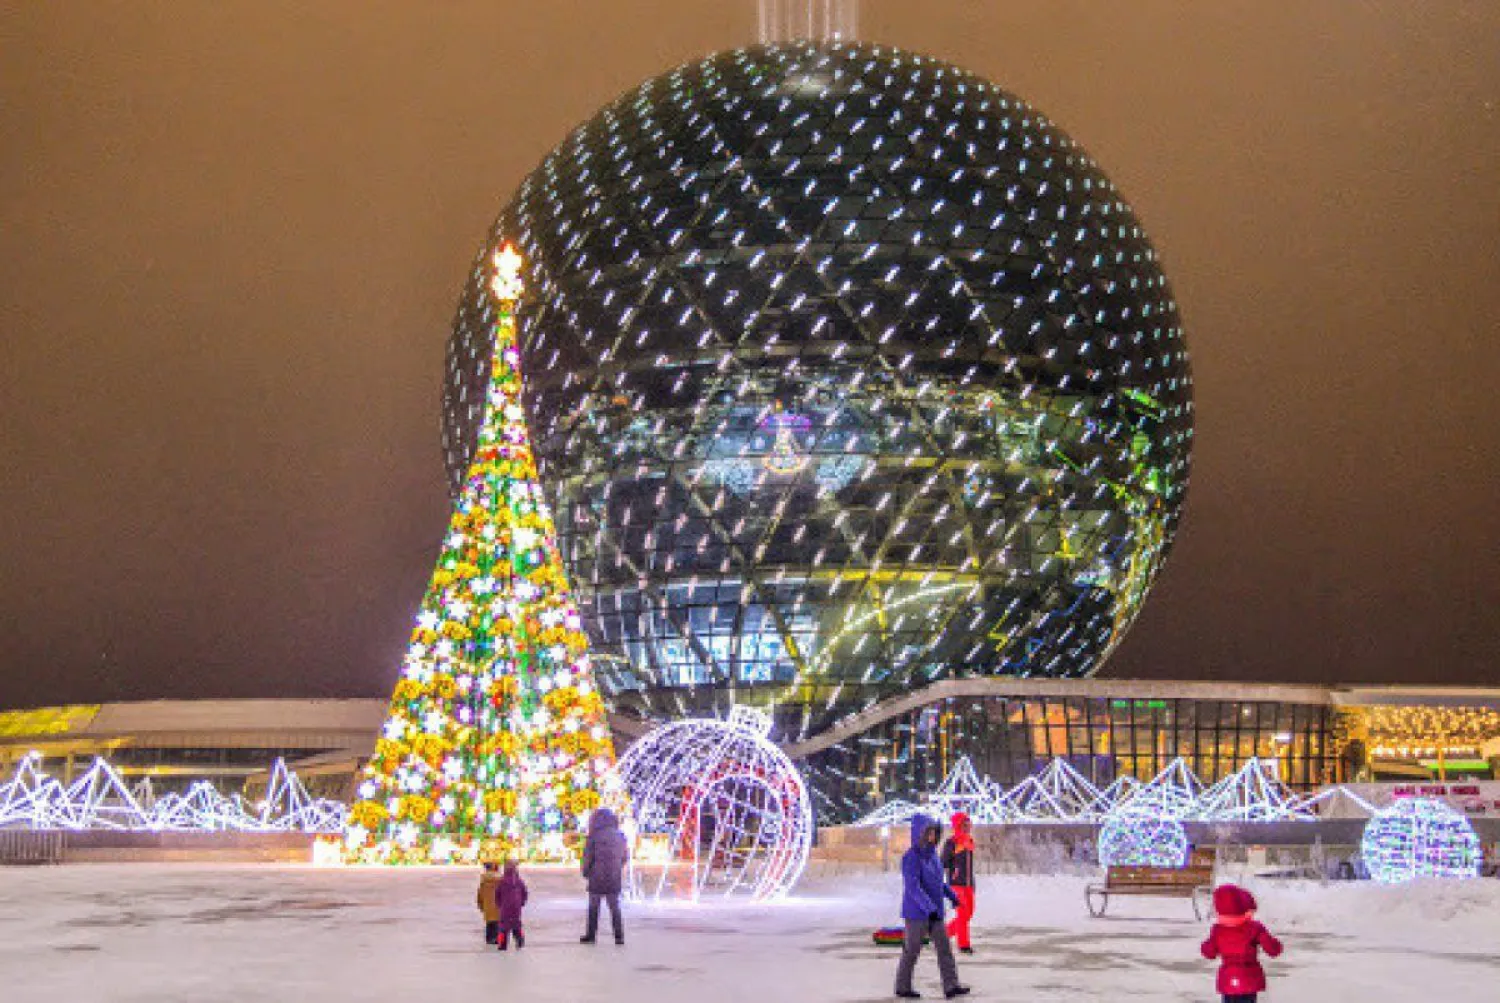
[717, 809]
[1136, 838]
[847, 372]
[1419, 838]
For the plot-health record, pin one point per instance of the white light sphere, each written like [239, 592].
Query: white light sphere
[1419, 838]
[718, 810]
[1136, 838]
[1166, 801]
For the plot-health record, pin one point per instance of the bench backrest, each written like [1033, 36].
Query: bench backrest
[1191, 876]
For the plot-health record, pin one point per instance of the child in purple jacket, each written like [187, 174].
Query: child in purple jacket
[510, 899]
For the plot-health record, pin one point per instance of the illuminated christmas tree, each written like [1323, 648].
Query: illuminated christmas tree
[497, 742]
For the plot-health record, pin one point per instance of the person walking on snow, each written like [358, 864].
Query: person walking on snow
[510, 899]
[605, 855]
[958, 867]
[922, 892]
[1236, 938]
[485, 900]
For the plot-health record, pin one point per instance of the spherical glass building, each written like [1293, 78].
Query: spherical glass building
[847, 372]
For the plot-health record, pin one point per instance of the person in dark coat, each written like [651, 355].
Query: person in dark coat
[510, 899]
[485, 900]
[958, 868]
[1236, 940]
[922, 892]
[605, 855]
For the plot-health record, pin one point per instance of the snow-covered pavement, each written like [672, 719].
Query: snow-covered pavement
[241, 934]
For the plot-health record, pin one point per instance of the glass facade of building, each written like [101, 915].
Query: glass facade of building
[1010, 730]
[1011, 738]
[847, 372]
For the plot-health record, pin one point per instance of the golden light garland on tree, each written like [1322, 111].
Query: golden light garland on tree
[497, 742]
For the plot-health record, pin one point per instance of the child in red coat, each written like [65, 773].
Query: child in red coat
[1236, 938]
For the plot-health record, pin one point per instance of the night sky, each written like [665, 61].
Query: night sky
[232, 237]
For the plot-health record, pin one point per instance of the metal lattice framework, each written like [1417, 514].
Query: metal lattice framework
[718, 810]
[847, 371]
[100, 799]
[1059, 793]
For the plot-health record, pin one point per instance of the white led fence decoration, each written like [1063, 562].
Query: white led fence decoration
[1059, 793]
[101, 799]
[717, 809]
[847, 372]
[1419, 838]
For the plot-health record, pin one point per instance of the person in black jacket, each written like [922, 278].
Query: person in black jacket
[958, 868]
[605, 854]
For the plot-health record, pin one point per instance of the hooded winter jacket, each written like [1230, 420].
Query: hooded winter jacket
[604, 853]
[485, 897]
[1236, 940]
[922, 885]
[510, 898]
[958, 853]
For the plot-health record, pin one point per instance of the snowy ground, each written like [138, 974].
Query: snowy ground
[164, 934]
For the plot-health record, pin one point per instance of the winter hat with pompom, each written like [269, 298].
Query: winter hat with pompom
[1232, 901]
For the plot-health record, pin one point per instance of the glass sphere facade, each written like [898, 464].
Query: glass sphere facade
[847, 372]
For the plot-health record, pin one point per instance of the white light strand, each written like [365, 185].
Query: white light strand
[1137, 837]
[1419, 838]
[100, 799]
[717, 809]
[1060, 794]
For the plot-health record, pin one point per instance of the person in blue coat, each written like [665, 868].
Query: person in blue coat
[923, 889]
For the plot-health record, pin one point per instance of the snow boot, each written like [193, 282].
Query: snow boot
[957, 991]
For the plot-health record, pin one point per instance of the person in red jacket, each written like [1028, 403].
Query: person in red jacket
[958, 867]
[1236, 939]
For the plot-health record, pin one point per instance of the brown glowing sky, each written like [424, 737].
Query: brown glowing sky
[232, 236]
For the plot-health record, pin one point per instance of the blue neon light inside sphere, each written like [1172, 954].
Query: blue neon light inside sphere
[1142, 839]
[1420, 838]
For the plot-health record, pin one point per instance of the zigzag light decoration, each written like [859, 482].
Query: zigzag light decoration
[100, 799]
[1058, 793]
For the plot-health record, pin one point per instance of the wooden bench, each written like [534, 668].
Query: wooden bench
[1193, 882]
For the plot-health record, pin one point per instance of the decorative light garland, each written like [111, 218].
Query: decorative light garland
[1419, 838]
[1059, 793]
[497, 743]
[1414, 731]
[100, 799]
[717, 809]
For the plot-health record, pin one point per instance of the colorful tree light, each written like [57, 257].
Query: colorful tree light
[497, 741]
[1419, 838]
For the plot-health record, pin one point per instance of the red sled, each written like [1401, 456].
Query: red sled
[894, 936]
